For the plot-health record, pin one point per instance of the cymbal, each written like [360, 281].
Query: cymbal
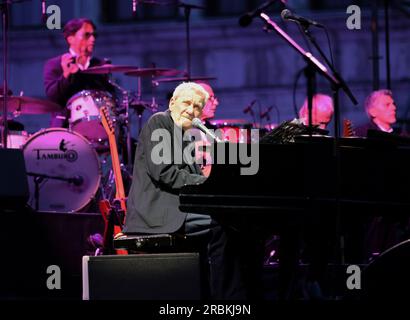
[109, 68]
[27, 105]
[182, 79]
[153, 72]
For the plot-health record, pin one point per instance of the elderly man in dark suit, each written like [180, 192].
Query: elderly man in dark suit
[154, 196]
[162, 167]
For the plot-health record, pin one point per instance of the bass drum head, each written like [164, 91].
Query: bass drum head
[60, 155]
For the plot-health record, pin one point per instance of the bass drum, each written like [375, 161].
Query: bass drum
[66, 168]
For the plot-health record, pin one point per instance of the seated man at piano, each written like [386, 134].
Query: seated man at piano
[62, 74]
[322, 111]
[382, 232]
[161, 169]
[381, 110]
[317, 235]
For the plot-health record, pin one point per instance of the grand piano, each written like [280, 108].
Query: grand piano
[328, 188]
[358, 176]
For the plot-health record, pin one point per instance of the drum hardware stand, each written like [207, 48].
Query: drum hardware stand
[5, 8]
[39, 178]
[187, 13]
[125, 102]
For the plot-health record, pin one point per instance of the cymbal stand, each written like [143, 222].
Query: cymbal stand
[5, 9]
[187, 13]
[125, 118]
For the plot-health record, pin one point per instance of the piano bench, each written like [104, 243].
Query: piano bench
[153, 243]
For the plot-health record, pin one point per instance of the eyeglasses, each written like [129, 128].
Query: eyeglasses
[87, 35]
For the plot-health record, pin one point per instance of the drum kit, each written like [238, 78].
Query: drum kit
[65, 167]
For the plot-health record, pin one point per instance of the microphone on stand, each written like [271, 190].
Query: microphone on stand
[288, 15]
[249, 107]
[197, 123]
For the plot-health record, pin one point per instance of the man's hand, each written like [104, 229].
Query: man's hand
[68, 64]
[203, 156]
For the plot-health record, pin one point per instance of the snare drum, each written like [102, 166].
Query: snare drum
[85, 113]
[69, 168]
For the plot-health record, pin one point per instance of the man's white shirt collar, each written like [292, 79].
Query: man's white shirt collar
[80, 66]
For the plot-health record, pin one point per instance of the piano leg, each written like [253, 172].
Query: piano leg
[289, 247]
[236, 262]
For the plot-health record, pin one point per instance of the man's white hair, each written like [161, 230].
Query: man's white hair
[193, 87]
[322, 103]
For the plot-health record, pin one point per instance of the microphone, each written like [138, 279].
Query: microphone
[249, 107]
[288, 15]
[246, 19]
[77, 180]
[199, 125]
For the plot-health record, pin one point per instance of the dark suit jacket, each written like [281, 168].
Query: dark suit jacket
[362, 131]
[153, 200]
[60, 89]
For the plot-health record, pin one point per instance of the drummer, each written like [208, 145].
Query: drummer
[62, 74]
[208, 112]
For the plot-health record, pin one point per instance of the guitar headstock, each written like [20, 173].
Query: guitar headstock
[107, 121]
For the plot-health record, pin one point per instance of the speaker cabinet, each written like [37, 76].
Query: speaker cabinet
[171, 276]
[14, 191]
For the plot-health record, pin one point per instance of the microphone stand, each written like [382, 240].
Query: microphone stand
[343, 84]
[38, 178]
[4, 14]
[313, 66]
[335, 93]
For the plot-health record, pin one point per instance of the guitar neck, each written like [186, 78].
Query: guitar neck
[119, 185]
